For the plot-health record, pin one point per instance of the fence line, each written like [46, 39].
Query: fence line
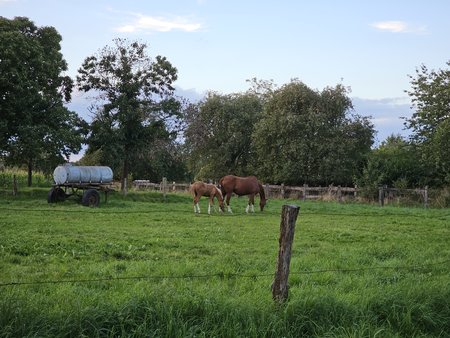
[386, 195]
[223, 275]
[271, 190]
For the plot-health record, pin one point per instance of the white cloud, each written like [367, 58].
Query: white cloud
[399, 27]
[159, 24]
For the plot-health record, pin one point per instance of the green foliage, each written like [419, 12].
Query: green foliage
[135, 103]
[430, 123]
[35, 128]
[218, 135]
[356, 270]
[7, 179]
[394, 163]
[306, 136]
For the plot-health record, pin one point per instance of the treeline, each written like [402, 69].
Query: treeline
[287, 134]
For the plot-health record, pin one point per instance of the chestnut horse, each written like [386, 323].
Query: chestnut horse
[199, 189]
[243, 186]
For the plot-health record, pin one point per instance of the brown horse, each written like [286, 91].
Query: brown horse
[199, 189]
[243, 186]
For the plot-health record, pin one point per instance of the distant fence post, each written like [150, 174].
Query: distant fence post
[355, 193]
[280, 286]
[164, 187]
[267, 190]
[14, 185]
[425, 197]
[381, 196]
[339, 194]
[282, 190]
[304, 191]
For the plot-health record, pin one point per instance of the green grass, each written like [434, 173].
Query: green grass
[141, 266]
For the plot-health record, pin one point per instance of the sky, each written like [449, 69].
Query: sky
[371, 47]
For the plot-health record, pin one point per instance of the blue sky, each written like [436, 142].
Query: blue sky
[369, 46]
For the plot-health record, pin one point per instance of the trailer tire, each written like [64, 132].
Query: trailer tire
[91, 198]
[51, 197]
[56, 194]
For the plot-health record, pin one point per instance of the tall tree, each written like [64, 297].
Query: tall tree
[430, 123]
[35, 127]
[306, 136]
[218, 134]
[135, 100]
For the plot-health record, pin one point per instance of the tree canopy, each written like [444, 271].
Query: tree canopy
[135, 102]
[430, 124]
[35, 127]
[218, 134]
[307, 136]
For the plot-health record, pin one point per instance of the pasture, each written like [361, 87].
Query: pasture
[144, 266]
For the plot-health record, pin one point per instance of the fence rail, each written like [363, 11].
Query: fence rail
[385, 196]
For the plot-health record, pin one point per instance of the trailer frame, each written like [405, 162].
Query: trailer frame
[90, 196]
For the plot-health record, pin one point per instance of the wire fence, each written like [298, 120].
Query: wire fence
[221, 275]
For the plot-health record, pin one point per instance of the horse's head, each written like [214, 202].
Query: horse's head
[262, 203]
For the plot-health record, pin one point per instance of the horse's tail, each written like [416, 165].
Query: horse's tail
[192, 190]
[221, 188]
[219, 192]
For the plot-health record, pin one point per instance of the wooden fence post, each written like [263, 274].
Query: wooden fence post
[304, 191]
[282, 190]
[425, 197]
[164, 187]
[339, 194]
[267, 190]
[280, 286]
[381, 196]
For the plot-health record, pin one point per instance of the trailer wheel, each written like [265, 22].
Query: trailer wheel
[91, 198]
[51, 197]
[56, 194]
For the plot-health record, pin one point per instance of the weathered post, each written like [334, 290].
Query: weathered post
[381, 196]
[425, 197]
[339, 193]
[164, 187]
[280, 286]
[282, 190]
[267, 190]
[304, 191]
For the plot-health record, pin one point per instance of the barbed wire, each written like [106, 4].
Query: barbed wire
[221, 275]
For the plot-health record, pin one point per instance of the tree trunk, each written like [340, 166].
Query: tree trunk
[30, 172]
[124, 185]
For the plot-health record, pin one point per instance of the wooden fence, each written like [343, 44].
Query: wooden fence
[271, 191]
[386, 195]
[396, 196]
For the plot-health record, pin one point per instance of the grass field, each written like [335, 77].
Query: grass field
[143, 267]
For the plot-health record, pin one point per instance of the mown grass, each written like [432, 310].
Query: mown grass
[144, 266]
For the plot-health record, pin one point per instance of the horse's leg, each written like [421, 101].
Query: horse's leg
[196, 205]
[211, 201]
[228, 202]
[251, 201]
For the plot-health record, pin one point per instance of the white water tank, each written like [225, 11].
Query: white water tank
[67, 174]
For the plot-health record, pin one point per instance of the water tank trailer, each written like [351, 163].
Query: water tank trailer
[70, 179]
